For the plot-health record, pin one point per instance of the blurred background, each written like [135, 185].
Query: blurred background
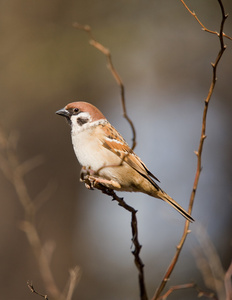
[163, 58]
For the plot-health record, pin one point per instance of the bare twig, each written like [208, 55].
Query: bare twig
[199, 155]
[75, 275]
[115, 74]
[200, 291]
[137, 247]
[203, 26]
[32, 289]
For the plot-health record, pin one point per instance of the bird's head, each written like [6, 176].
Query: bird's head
[80, 113]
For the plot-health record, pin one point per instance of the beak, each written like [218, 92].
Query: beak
[63, 112]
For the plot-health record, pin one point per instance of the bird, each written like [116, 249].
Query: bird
[106, 158]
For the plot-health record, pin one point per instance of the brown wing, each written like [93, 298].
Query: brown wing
[116, 144]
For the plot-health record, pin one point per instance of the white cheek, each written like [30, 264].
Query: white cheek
[78, 126]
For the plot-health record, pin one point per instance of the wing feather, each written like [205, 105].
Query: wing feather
[115, 143]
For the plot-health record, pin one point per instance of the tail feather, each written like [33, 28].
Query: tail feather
[162, 195]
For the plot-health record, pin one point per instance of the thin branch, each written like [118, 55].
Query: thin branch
[199, 157]
[115, 74]
[202, 25]
[32, 289]
[75, 275]
[137, 247]
[200, 291]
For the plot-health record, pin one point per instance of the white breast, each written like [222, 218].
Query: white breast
[87, 147]
[86, 150]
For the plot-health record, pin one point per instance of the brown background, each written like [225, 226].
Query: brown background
[164, 59]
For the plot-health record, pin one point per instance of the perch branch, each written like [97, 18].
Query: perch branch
[137, 247]
[199, 155]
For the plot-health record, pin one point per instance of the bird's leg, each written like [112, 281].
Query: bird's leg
[85, 172]
[84, 177]
[92, 180]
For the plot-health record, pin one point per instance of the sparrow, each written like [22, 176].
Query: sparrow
[106, 158]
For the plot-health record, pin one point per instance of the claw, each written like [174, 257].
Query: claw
[92, 180]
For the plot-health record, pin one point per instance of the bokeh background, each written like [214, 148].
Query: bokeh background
[163, 58]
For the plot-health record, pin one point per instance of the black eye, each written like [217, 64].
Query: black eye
[75, 110]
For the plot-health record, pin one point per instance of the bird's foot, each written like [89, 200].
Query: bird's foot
[84, 177]
[92, 180]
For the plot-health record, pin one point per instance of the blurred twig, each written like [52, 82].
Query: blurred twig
[115, 74]
[199, 155]
[15, 172]
[212, 269]
[74, 279]
[203, 265]
[200, 291]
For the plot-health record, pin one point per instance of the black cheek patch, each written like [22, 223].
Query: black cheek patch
[82, 121]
